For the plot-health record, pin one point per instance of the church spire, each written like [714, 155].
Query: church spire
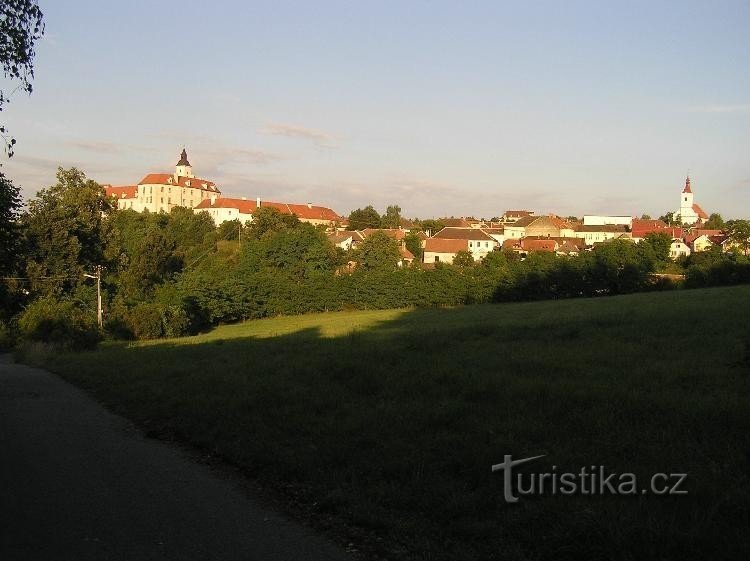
[687, 185]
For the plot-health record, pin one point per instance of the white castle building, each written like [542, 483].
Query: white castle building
[158, 192]
[161, 192]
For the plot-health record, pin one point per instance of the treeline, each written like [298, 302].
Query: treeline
[167, 275]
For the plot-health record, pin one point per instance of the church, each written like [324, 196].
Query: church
[689, 212]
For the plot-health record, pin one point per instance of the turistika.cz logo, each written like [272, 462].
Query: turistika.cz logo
[590, 480]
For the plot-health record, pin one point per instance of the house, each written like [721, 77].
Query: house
[542, 226]
[443, 250]
[641, 228]
[341, 239]
[678, 248]
[515, 215]
[598, 220]
[161, 192]
[598, 233]
[479, 242]
[703, 240]
[689, 212]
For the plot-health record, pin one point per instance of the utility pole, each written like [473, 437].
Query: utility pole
[98, 277]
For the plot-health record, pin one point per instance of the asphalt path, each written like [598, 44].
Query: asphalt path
[78, 482]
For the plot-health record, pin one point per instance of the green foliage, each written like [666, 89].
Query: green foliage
[660, 244]
[363, 218]
[268, 220]
[59, 322]
[413, 243]
[21, 26]
[10, 234]
[463, 259]
[65, 232]
[392, 217]
[714, 222]
[7, 340]
[431, 225]
[739, 234]
[145, 321]
[378, 252]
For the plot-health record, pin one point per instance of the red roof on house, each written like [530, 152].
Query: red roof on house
[121, 192]
[309, 212]
[451, 233]
[441, 245]
[539, 245]
[395, 233]
[406, 254]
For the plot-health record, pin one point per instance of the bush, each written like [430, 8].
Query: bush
[6, 338]
[60, 323]
[145, 321]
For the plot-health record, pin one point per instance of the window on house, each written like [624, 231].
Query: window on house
[437, 258]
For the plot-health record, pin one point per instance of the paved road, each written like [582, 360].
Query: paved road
[79, 483]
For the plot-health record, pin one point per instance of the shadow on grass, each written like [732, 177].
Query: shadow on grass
[394, 426]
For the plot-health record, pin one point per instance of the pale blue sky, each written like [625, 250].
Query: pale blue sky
[451, 108]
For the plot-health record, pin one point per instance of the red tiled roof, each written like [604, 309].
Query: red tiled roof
[687, 186]
[451, 233]
[406, 254]
[442, 245]
[309, 212]
[121, 192]
[168, 179]
[395, 233]
[538, 245]
[700, 212]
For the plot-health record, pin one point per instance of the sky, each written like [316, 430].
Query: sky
[444, 108]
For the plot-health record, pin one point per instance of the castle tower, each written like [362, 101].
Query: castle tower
[183, 168]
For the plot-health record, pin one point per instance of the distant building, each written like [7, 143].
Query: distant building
[223, 209]
[597, 220]
[479, 243]
[161, 192]
[601, 232]
[552, 226]
[689, 212]
[515, 215]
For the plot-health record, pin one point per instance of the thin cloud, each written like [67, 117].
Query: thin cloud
[294, 131]
[740, 108]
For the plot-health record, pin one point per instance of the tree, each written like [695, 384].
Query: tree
[64, 231]
[10, 235]
[431, 225]
[363, 218]
[714, 222]
[21, 26]
[463, 259]
[660, 243]
[669, 218]
[378, 252]
[392, 217]
[269, 219]
[739, 234]
[645, 217]
[413, 243]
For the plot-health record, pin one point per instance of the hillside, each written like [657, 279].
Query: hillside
[387, 422]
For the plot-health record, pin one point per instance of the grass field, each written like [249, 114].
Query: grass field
[390, 420]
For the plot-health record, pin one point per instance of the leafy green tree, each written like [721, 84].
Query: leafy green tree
[463, 259]
[10, 234]
[660, 245]
[300, 252]
[378, 252]
[645, 217]
[363, 218]
[714, 222]
[269, 219]
[739, 234]
[230, 230]
[392, 217]
[21, 26]
[431, 225]
[670, 219]
[413, 243]
[65, 231]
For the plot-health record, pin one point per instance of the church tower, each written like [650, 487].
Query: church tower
[686, 203]
[183, 168]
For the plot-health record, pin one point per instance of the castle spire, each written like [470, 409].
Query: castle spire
[183, 159]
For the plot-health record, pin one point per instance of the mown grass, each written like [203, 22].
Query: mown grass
[391, 420]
